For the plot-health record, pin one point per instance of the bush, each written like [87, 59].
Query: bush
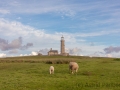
[57, 62]
[117, 59]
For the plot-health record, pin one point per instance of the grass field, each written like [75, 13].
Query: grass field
[32, 73]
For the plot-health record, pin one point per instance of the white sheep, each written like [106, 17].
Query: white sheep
[73, 67]
[51, 70]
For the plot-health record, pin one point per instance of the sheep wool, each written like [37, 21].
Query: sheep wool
[73, 67]
[51, 70]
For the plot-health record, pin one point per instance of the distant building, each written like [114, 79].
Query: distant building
[53, 52]
[62, 49]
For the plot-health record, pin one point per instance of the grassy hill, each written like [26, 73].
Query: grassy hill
[32, 73]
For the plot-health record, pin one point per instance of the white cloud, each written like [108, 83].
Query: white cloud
[109, 55]
[74, 51]
[2, 55]
[60, 7]
[17, 29]
[21, 54]
[26, 55]
[39, 7]
[34, 53]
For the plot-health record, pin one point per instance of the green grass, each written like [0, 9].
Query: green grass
[32, 73]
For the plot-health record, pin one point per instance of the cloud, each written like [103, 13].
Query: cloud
[100, 33]
[112, 49]
[59, 7]
[34, 53]
[64, 8]
[13, 51]
[98, 54]
[109, 55]
[14, 44]
[2, 55]
[39, 7]
[26, 46]
[44, 51]
[3, 11]
[14, 28]
[92, 44]
[73, 51]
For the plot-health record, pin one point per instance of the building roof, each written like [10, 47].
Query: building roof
[53, 51]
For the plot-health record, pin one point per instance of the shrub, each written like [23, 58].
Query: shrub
[117, 59]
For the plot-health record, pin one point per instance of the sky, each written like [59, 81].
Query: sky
[89, 27]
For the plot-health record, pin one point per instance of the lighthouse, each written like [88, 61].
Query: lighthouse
[62, 45]
[62, 49]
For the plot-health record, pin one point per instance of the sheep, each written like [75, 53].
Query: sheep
[51, 70]
[73, 67]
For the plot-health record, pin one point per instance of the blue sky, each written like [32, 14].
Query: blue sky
[90, 27]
